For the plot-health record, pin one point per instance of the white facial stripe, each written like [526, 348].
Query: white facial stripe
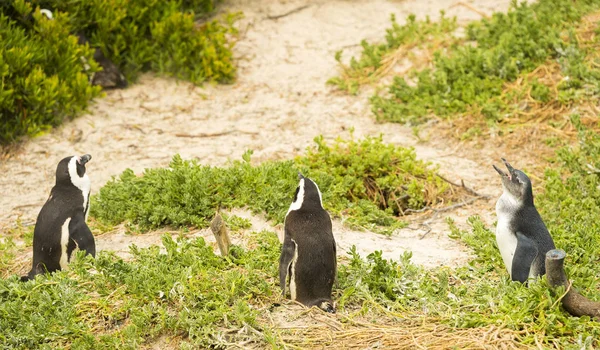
[297, 204]
[64, 242]
[293, 272]
[46, 13]
[319, 191]
[82, 183]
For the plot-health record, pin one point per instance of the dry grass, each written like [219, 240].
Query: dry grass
[314, 329]
[532, 122]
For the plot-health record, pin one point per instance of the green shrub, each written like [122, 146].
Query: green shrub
[162, 36]
[507, 45]
[43, 79]
[469, 75]
[187, 292]
[367, 182]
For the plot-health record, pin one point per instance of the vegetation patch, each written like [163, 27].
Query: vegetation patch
[402, 41]
[529, 66]
[186, 292]
[481, 294]
[366, 182]
[200, 299]
[44, 79]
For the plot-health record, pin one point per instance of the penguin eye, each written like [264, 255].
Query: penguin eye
[296, 194]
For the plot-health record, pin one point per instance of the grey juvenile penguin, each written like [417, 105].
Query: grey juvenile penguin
[308, 255]
[521, 234]
[60, 227]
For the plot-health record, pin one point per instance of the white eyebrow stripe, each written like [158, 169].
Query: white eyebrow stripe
[82, 183]
[297, 204]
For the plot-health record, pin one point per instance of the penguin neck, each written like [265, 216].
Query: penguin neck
[508, 203]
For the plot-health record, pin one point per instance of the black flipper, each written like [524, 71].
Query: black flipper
[335, 279]
[80, 233]
[285, 261]
[524, 255]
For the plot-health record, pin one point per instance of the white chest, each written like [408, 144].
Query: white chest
[507, 242]
[293, 272]
[64, 243]
[506, 239]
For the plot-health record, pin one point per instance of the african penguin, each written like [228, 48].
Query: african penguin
[522, 236]
[60, 227]
[308, 255]
[110, 76]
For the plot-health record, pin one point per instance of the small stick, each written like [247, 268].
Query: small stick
[575, 303]
[462, 185]
[222, 133]
[298, 9]
[219, 229]
[206, 134]
[470, 7]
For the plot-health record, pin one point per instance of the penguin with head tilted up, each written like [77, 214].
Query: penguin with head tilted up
[308, 257]
[60, 227]
[521, 234]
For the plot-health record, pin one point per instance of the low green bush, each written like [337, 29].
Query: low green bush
[413, 34]
[505, 47]
[366, 182]
[43, 78]
[42, 81]
[186, 292]
[469, 75]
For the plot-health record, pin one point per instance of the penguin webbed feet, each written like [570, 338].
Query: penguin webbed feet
[28, 277]
[325, 305]
[25, 278]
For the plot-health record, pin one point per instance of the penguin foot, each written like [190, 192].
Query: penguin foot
[325, 305]
[25, 278]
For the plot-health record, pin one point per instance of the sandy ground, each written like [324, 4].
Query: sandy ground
[279, 103]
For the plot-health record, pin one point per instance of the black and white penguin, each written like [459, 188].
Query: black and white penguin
[521, 234]
[60, 227]
[110, 76]
[308, 255]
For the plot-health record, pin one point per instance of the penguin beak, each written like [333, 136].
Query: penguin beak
[300, 176]
[84, 159]
[502, 173]
[511, 170]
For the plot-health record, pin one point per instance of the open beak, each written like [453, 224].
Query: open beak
[84, 159]
[508, 166]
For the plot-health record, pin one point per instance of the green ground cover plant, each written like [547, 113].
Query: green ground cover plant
[189, 294]
[535, 61]
[481, 293]
[107, 303]
[45, 81]
[200, 299]
[42, 81]
[367, 183]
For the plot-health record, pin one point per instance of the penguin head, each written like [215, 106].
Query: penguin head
[71, 171]
[307, 195]
[516, 183]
